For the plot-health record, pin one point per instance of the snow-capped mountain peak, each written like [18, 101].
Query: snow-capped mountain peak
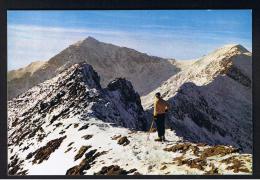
[212, 98]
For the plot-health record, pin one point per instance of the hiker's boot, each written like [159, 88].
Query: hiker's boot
[158, 139]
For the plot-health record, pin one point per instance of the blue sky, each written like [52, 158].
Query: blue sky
[179, 34]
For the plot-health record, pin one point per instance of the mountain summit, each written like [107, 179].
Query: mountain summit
[90, 39]
[110, 61]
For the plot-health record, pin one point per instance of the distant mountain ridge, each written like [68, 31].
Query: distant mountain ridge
[110, 61]
[30, 69]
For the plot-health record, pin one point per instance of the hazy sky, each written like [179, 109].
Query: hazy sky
[179, 34]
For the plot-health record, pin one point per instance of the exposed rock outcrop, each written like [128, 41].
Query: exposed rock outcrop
[123, 141]
[114, 170]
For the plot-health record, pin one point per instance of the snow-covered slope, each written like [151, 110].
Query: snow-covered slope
[70, 125]
[110, 61]
[102, 149]
[212, 99]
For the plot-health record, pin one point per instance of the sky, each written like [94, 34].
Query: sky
[179, 34]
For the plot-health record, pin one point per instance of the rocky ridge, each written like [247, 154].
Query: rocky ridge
[212, 99]
[70, 125]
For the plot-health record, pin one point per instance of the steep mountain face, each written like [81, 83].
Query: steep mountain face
[110, 61]
[69, 125]
[212, 99]
[74, 92]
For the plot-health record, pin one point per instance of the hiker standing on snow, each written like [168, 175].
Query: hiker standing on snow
[160, 108]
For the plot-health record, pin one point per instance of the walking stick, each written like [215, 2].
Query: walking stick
[150, 129]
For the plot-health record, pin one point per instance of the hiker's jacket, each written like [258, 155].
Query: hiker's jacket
[160, 106]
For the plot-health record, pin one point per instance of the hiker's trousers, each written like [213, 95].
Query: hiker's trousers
[160, 124]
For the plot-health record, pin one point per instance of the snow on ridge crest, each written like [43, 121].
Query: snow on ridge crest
[214, 97]
[79, 84]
